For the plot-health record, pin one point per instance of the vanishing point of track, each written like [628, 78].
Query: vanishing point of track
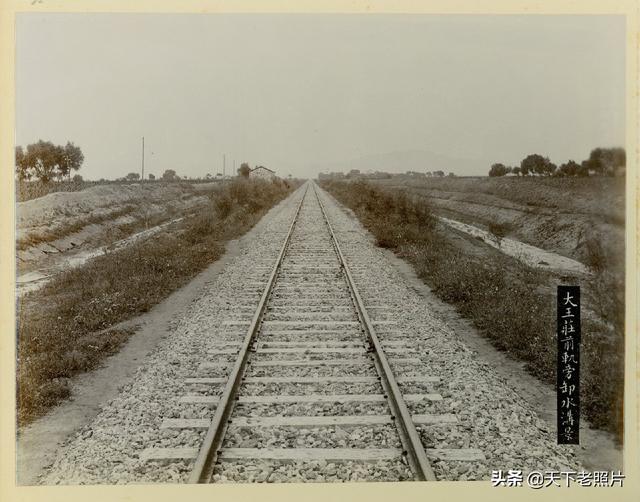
[310, 326]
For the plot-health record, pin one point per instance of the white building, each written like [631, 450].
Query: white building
[262, 173]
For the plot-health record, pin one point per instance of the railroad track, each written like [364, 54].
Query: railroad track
[310, 381]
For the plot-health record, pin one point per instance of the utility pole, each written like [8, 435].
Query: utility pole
[146, 214]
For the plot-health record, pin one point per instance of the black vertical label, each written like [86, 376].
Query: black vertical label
[568, 372]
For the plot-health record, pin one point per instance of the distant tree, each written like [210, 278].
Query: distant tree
[606, 161]
[42, 160]
[152, 177]
[535, 163]
[208, 176]
[71, 158]
[516, 170]
[438, 173]
[540, 166]
[451, 175]
[22, 170]
[47, 161]
[570, 168]
[498, 170]
[61, 171]
[244, 170]
[132, 176]
[78, 179]
[583, 170]
[169, 175]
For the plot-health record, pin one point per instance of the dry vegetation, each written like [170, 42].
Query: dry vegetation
[66, 328]
[511, 304]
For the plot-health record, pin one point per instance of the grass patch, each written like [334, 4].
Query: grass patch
[64, 328]
[511, 304]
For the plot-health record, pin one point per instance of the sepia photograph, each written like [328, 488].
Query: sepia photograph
[322, 247]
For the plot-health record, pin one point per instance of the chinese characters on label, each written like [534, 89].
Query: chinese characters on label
[568, 371]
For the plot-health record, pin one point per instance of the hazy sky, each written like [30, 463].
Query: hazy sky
[290, 91]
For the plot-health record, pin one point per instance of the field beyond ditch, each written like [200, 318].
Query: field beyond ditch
[580, 218]
[67, 327]
[510, 303]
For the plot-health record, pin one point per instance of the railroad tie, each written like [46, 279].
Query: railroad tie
[306, 398]
[308, 421]
[310, 454]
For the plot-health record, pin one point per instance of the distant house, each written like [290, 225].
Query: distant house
[262, 173]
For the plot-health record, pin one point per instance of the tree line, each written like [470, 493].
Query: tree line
[601, 162]
[45, 161]
[168, 175]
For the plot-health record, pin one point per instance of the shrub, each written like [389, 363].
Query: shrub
[594, 255]
[499, 230]
[498, 170]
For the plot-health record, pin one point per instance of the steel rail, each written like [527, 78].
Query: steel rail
[202, 471]
[409, 437]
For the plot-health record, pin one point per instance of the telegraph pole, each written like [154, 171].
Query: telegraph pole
[146, 214]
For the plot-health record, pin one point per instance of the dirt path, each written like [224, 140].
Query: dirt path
[38, 443]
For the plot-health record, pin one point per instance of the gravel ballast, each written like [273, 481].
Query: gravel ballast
[490, 417]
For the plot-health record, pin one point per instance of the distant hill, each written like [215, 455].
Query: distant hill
[411, 160]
